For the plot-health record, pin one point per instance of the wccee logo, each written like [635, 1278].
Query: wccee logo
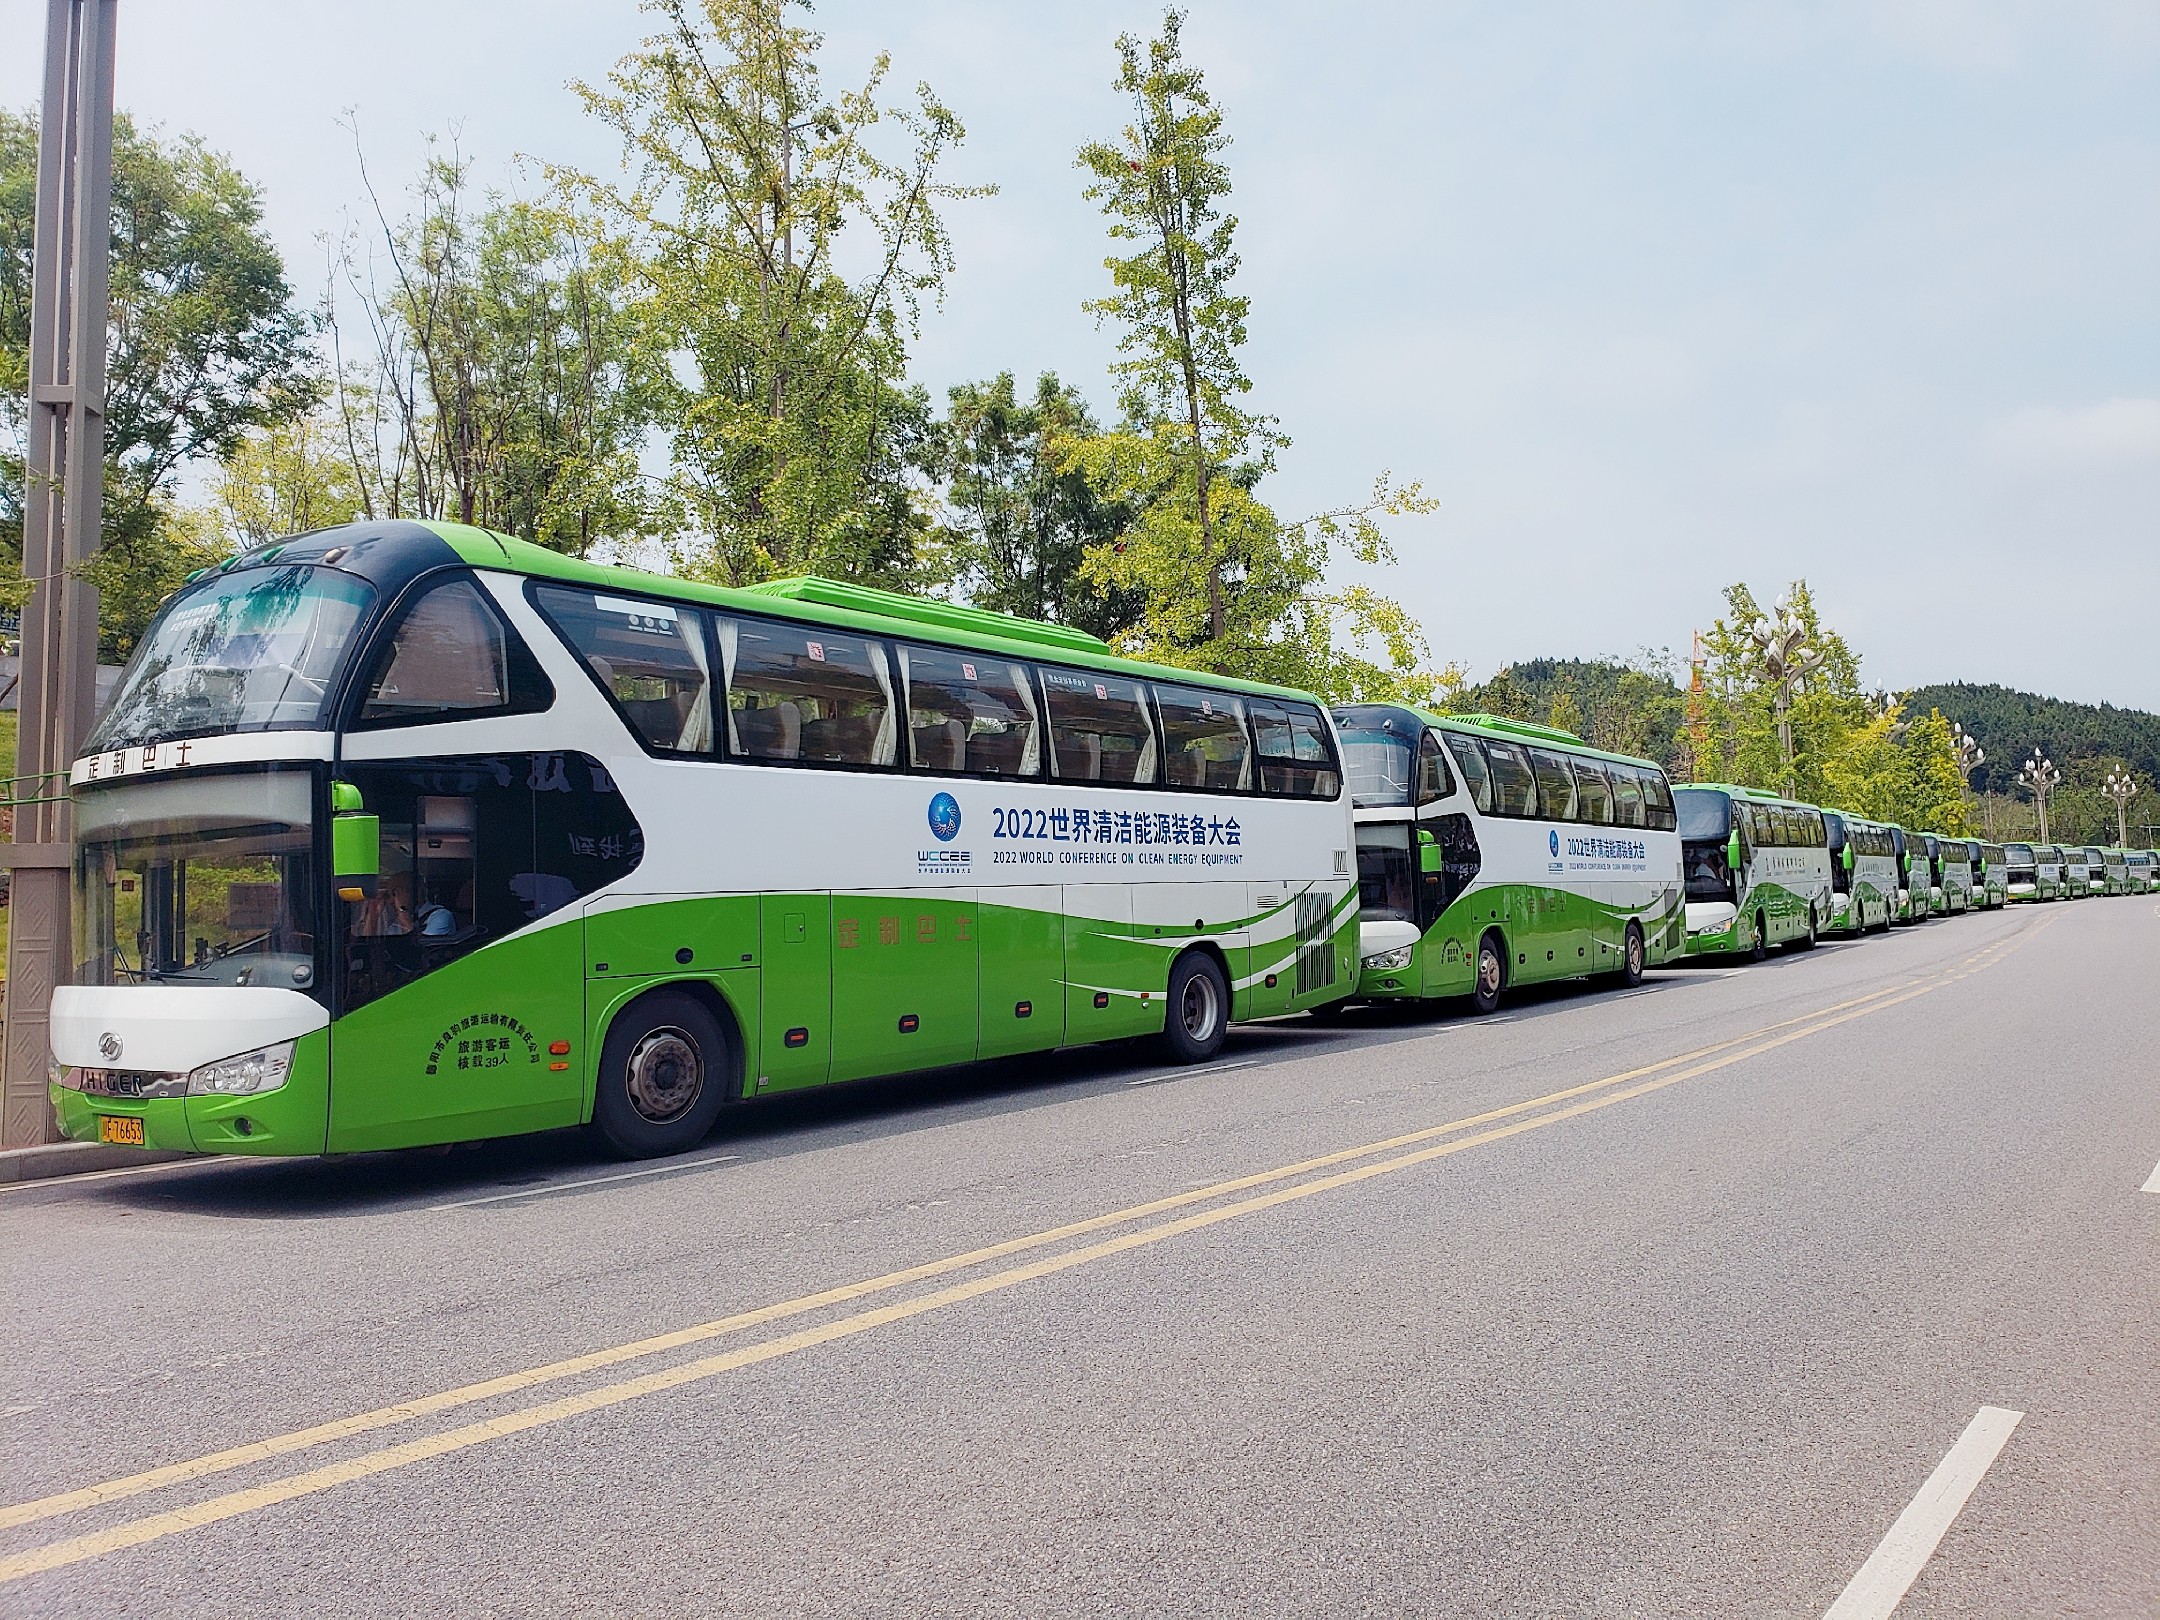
[945, 817]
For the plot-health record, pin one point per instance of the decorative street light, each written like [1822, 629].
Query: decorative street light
[1787, 660]
[2039, 777]
[2122, 789]
[1971, 756]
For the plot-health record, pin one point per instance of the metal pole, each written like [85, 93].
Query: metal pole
[63, 506]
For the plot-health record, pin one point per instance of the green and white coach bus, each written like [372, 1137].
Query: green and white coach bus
[2141, 868]
[1953, 873]
[2021, 872]
[1863, 874]
[398, 834]
[1758, 869]
[2048, 870]
[1991, 875]
[1494, 853]
[2077, 872]
[1916, 877]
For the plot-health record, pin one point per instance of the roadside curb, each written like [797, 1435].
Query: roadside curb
[53, 1159]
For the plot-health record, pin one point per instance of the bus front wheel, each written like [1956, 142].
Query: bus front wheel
[1759, 950]
[665, 1073]
[1491, 974]
[1199, 1010]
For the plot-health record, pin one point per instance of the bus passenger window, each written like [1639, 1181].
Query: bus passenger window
[800, 692]
[1659, 812]
[1514, 788]
[1593, 794]
[1204, 741]
[1627, 797]
[1556, 785]
[1470, 760]
[1297, 758]
[969, 714]
[647, 656]
[1099, 728]
[452, 657]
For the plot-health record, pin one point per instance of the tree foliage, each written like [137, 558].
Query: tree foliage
[204, 345]
[751, 200]
[1224, 583]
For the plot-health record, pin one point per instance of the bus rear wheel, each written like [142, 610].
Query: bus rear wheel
[665, 1073]
[1491, 974]
[1632, 957]
[1199, 1010]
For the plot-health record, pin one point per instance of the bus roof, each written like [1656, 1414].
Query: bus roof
[1510, 730]
[836, 603]
[1758, 796]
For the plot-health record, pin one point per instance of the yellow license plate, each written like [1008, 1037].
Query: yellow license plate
[120, 1128]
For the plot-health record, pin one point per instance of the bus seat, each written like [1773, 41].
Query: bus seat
[774, 732]
[997, 751]
[1079, 757]
[941, 747]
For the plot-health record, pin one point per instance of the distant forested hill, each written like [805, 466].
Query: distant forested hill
[2010, 724]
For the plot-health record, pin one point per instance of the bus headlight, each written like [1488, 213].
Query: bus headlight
[1386, 961]
[263, 1069]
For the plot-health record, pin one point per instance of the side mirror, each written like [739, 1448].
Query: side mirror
[1846, 856]
[1732, 851]
[355, 844]
[1430, 858]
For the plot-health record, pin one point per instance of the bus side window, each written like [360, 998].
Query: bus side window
[972, 715]
[1556, 785]
[1433, 781]
[801, 692]
[1297, 758]
[1514, 788]
[1659, 812]
[451, 657]
[1593, 794]
[1204, 741]
[1470, 760]
[648, 657]
[1627, 797]
[1099, 728]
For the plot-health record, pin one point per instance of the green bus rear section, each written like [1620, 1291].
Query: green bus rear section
[819, 987]
[1550, 934]
[1784, 915]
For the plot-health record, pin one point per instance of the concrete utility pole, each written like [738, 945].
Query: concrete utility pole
[2122, 788]
[69, 286]
[2039, 776]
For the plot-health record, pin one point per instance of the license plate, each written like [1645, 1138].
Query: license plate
[120, 1128]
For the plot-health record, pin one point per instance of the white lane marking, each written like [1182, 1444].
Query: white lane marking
[1892, 1568]
[2152, 1182]
[1186, 1074]
[573, 1186]
[50, 1183]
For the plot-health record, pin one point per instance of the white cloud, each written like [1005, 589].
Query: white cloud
[2120, 430]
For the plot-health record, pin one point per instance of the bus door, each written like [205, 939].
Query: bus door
[904, 981]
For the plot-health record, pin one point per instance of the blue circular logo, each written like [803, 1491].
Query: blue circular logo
[945, 817]
[1553, 838]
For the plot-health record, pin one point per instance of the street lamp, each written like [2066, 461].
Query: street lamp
[1971, 756]
[2122, 789]
[2039, 777]
[1787, 660]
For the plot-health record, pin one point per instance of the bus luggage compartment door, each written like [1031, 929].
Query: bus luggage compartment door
[1023, 969]
[904, 981]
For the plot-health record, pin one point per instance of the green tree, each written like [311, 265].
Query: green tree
[1225, 583]
[1022, 515]
[1827, 705]
[286, 480]
[205, 344]
[1565, 712]
[796, 445]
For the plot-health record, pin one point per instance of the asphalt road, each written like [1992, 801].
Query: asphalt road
[1665, 1303]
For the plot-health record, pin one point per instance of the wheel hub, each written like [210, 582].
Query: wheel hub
[666, 1075]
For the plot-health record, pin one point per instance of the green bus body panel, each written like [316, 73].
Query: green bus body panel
[904, 983]
[462, 1052]
[1022, 967]
[1550, 934]
[797, 990]
[1784, 914]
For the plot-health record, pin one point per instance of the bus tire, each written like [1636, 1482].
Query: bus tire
[666, 1070]
[1491, 973]
[1633, 957]
[1807, 943]
[1199, 1008]
[1759, 950]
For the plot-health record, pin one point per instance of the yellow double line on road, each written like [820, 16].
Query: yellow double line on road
[1425, 1145]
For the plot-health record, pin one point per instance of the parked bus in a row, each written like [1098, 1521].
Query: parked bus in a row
[1953, 874]
[1758, 869]
[1493, 853]
[2076, 873]
[2141, 867]
[1915, 878]
[401, 833]
[1863, 875]
[1991, 877]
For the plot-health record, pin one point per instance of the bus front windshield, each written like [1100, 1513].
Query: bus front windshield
[201, 880]
[1379, 762]
[1705, 815]
[257, 649]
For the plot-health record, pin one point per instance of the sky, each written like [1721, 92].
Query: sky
[1652, 297]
